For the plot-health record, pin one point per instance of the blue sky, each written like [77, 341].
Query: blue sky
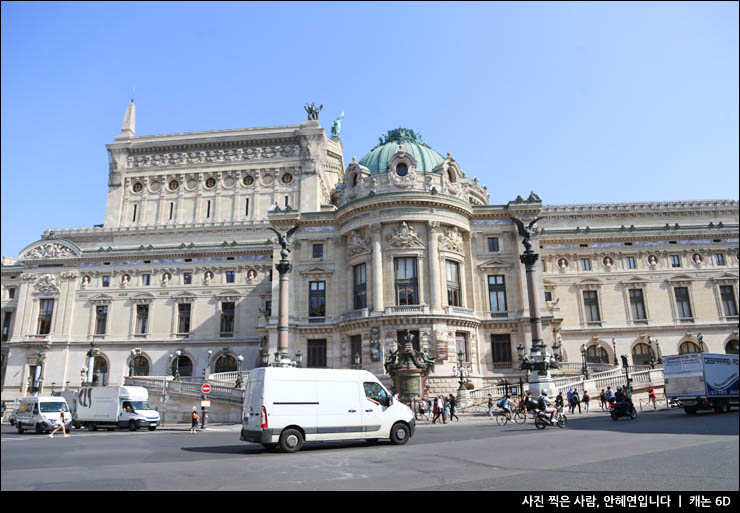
[580, 102]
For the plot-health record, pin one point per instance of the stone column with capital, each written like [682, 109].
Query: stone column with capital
[434, 285]
[378, 302]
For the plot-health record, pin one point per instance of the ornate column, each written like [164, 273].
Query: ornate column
[434, 293]
[378, 301]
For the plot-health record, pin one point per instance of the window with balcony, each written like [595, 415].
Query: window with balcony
[719, 259]
[407, 288]
[229, 276]
[46, 312]
[187, 278]
[106, 281]
[585, 264]
[146, 279]
[183, 318]
[360, 286]
[497, 295]
[630, 262]
[683, 303]
[729, 306]
[227, 319]
[142, 319]
[317, 299]
[591, 305]
[101, 319]
[675, 261]
[637, 304]
[453, 283]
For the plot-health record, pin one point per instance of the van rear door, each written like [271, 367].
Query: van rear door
[253, 402]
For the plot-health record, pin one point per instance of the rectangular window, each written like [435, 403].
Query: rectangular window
[106, 281]
[548, 295]
[318, 250]
[461, 344]
[493, 244]
[246, 207]
[501, 348]
[360, 286]
[317, 299]
[183, 318]
[227, 319]
[268, 308]
[453, 283]
[101, 319]
[142, 319]
[172, 209]
[675, 261]
[728, 300]
[407, 289]
[585, 264]
[719, 258]
[187, 278]
[134, 216]
[229, 276]
[591, 302]
[683, 303]
[146, 279]
[317, 353]
[208, 209]
[497, 294]
[11, 293]
[637, 303]
[630, 262]
[356, 347]
[46, 311]
[7, 317]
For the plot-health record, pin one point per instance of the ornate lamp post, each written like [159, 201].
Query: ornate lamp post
[175, 366]
[584, 367]
[614, 346]
[463, 369]
[700, 338]
[356, 361]
[239, 380]
[408, 380]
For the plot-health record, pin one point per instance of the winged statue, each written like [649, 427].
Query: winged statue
[526, 231]
[284, 240]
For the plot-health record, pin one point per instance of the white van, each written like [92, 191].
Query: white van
[288, 406]
[42, 414]
[112, 407]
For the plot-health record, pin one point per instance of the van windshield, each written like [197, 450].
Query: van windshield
[52, 407]
[141, 405]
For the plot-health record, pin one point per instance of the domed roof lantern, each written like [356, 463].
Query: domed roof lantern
[405, 140]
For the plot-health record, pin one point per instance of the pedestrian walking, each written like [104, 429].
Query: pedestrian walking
[60, 424]
[576, 402]
[651, 398]
[453, 407]
[602, 397]
[586, 399]
[443, 408]
[570, 400]
[559, 401]
[490, 406]
[446, 414]
[423, 409]
[194, 421]
[435, 410]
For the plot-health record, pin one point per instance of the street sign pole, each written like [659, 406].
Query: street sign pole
[203, 410]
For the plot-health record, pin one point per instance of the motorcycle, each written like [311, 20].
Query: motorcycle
[624, 409]
[542, 419]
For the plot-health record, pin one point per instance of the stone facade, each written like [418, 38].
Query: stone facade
[185, 261]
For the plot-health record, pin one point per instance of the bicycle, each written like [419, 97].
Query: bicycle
[501, 417]
[519, 416]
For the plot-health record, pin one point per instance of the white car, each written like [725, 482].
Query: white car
[42, 414]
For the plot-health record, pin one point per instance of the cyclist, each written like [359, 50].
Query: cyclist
[507, 405]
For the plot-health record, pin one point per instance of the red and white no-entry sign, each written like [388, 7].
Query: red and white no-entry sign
[205, 388]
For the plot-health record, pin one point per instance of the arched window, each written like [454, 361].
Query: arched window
[596, 354]
[226, 363]
[451, 175]
[100, 371]
[184, 365]
[355, 178]
[141, 366]
[688, 347]
[732, 347]
[641, 354]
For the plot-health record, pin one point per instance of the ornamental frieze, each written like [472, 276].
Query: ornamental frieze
[46, 284]
[213, 156]
[405, 237]
[49, 250]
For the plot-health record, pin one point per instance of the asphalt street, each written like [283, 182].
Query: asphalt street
[664, 450]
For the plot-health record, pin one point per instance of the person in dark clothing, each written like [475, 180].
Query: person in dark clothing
[453, 404]
[576, 402]
[559, 401]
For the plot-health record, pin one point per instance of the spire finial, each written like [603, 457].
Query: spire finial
[128, 127]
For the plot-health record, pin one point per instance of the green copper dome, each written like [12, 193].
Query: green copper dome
[377, 160]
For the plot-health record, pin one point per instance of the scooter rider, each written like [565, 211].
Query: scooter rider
[546, 405]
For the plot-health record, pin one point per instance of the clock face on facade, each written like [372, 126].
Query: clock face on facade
[248, 180]
[174, 185]
[138, 187]
[211, 183]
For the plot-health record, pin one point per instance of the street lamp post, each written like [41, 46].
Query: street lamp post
[461, 368]
[614, 346]
[239, 380]
[700, 338]
[37, 379]
[584, 367]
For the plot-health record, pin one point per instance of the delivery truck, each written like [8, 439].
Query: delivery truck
[286, 407]
[702, 381]
[114, 407]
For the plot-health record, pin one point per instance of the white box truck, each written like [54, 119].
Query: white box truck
[42, 414]
[286, 407]
[112, 407]
[702, 381]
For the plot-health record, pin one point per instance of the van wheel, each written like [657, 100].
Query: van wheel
[93, 426]
[39, 429]
[291, 440]
[400, 434]
[132, 426]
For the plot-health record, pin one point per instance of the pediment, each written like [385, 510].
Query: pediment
[102, 298]
[590, 281]
[50, 248]
[317, 270]
[227, 293]
[681, 277]
[495, 263]
[635, 279]
[184, 296]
